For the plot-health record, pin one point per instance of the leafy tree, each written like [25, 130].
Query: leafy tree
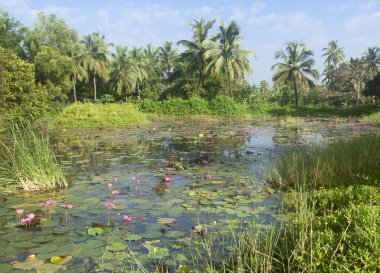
[12, 34]
[297, 64]
[371, 59]
[95, 57]
[51, 31]
[264, 87]
[228, 56]
[195, 53]
[53, 70]
[140, 67]
[351, 77]
[20, 98]
[372, 88]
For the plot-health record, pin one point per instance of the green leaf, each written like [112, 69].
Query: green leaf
[95, 231]
[117, 246]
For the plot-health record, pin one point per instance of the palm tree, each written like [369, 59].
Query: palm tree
[95, 56]
[228, 56]
[78, 72]
[334, 54]
[140, 67]
[167, 55]
[296, 66]
[372, 61]
[194, 56]
[123, 75]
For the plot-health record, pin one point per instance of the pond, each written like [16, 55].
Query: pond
[180, 182]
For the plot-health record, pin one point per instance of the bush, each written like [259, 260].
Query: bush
[225, 106]
[94, 114]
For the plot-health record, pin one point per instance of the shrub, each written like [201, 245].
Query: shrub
[225, 106]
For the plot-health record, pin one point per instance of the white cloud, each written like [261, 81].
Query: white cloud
[363, 23]
[368, 5]
[237, 14]
[203, 11]
[257, 7]
[340, 8]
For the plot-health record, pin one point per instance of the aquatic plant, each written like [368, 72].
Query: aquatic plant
[50, 203]
[109, 206]
[115, 192]
[19, 213]
[127, 218]
[27, 162]
[66, 207]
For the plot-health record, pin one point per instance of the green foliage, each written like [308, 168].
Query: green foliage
[225, 106]
[337, 164]
[372, 88]
[105, 115]
[28, 162]
[21, 99]
[373, 119]
[12, 34]
[53, 70]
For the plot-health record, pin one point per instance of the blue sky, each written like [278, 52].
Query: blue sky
[265, 25]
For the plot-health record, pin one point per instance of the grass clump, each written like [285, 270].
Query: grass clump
[333, 206]
[101, 115]
[373, 119]
[339, 164]
[27, 162]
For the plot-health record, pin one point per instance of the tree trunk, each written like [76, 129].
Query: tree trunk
[229, 82]
[75, 91]
[138, 90]
[295, 92]
[94, 86]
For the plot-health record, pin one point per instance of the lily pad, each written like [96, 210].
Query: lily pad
[133, 237]
[95, 231]
[165, 220]
[117, 246]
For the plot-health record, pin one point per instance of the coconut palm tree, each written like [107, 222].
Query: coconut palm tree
[195, 53]
[95, 56]
[372, 61]
[78, 72]
[123, 76]
[334, 54]
[295, 67]
[168, 56]
[228, 56]
[140, 67]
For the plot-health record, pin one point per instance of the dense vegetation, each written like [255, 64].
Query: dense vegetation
[54, 67]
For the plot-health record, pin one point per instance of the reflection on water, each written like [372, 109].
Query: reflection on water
[190, 172]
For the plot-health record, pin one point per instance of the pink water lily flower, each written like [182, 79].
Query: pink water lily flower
[133, 178]
[31, 215]
[115, 192]
[43, 204]
[67, 206]
[127, 218]
[110, 186]
[51, 203]
[26, 221]
[19, 211]
[110, 205]
[115, 178]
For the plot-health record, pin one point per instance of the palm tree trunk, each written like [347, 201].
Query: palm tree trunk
[75, 91]
[94, 86]
[295, 92]
[138, 90]
[229, 82]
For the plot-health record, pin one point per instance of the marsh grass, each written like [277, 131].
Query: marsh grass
[342, 163]
[83, 115]
[27, 161]
[373, 119]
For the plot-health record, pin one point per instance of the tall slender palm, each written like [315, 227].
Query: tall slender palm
[167, 55]
[295, 67]
[78, 72]
[140, 67]
[195, 54]
[95, 56]
[334, 54]
[372, 61]
[123, 75]
[228, 56]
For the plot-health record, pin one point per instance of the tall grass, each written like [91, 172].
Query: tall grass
[341, 163]
[104, 115]
[27, 161]
[373, 119]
